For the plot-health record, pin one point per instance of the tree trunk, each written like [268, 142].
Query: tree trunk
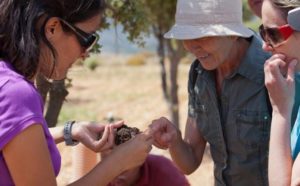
[43, 86]
[57, 95]
[161, 54]
[175, 54]
[174, 107]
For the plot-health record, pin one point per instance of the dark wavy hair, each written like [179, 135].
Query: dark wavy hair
[21, 32]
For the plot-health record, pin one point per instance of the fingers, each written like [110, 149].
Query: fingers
[278, 70]
[159, 125]
[117, 124]
[163, 132]
[96, 127]
[111, 137]
[274, 65]
[146, 139]
[159, 145]
[291, 71]
[275, 70]
[148, 133]
[278, 56]
[104, 139]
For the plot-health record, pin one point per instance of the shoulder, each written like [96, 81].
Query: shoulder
[256, 50]
[163, 169]
[194, 67]
[17, 89]
[19, 99]
[193, 73]
[20, 105]
[161, 162]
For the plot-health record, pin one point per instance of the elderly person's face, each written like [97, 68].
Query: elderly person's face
[212, 52]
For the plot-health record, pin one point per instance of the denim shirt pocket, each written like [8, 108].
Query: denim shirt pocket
[253, 128]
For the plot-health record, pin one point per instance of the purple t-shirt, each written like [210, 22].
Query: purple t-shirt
[20, 107]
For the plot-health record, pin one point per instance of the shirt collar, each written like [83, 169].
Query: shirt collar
[252, 65]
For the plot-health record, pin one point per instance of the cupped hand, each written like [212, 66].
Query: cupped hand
[164, 132]
[279, 80]
[97, 137]
[134, 152]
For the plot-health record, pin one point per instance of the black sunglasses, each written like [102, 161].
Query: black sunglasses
[85, 39]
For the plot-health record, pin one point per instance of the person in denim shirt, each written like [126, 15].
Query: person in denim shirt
[228, 103]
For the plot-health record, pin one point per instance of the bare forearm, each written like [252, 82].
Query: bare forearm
[280, 160]
[295, 180]
[57, 134]
[103, 173]
[184, 156]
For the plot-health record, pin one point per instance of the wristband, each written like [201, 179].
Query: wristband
[68, 134]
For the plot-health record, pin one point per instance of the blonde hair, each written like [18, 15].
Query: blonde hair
[285, 6]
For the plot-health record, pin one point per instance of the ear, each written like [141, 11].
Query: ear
[53, 28]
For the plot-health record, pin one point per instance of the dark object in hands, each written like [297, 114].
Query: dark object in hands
[125, 133]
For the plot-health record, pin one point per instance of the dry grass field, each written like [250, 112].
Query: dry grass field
[132, 93]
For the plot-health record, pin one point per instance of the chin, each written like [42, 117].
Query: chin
[208, 66]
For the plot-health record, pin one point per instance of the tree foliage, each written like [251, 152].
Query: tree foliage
[247, 14]
[131, 15]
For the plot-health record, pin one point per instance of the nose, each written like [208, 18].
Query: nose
[267, 47]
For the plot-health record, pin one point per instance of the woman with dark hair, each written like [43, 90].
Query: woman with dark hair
[281, 34]
[46, 37]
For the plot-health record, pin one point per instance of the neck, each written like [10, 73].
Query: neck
[235, 58]
[237, 53]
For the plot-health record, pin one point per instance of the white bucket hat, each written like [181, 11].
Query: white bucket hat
[204, 18]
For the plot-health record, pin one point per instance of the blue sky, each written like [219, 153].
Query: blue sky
[114, 41]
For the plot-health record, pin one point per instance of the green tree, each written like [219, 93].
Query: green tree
[247, 14]
[161, 14]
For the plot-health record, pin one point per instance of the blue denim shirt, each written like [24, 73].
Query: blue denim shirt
[236, 124]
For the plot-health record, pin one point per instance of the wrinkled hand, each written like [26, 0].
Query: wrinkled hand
[164, 132]
[279, 80]
[88, 134]
[134, 152]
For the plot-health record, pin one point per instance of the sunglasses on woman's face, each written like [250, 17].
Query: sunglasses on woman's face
[86, 40]
[275, 36]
